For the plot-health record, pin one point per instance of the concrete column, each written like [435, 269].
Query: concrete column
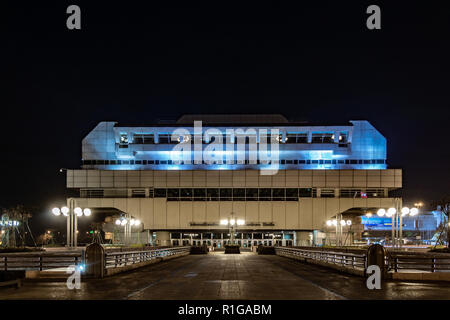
[162, 238]
[303, 238]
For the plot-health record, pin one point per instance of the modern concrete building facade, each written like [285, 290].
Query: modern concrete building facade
[323, 170]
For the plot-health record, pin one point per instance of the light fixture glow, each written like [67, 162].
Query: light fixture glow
[132, 222]
[137, 222]
[405, 211]
[232, 222]
[329, 223]
[124, 222]
[368, 215]
[334, 222]
[65, 211]
[381, 212]
[240, 222]
[391, 212]
[224, 222]
[349, 222]
[414, 211]
[342, 222]
[78, 211]
[87, 212]
[56, 211]
[118, 222]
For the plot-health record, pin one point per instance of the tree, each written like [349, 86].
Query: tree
[21, 214]
[444, 206]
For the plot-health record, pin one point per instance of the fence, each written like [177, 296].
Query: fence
[122, 259]
[39, 260]
[356, 260]
[430, 262]
[342, 259]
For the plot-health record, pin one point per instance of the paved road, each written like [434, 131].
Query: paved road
[220, 276]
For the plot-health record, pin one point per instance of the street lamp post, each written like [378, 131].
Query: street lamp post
[231, 223]
[397, 213]
[72, 213]
[339, 224]
[127, 222]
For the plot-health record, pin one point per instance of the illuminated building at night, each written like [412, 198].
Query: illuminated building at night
[322, 171]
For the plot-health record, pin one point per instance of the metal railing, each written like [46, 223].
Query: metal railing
[122, 259]
[39, 260]
[347, 259]
[419, 261]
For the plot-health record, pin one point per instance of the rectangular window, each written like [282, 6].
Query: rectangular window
[225, 194]
[251, 194]
[278, 194]
[138, 193]
[199, 194]
[238, 194]
[292, 194]
[350, 193]
[265, 194]
[212, 194]
[296, 137]
[305, 192]
[291, 137]
[327, 193]
[144, 138]
[164, 138]
[160, 193]
[173, 194]
[186, 194]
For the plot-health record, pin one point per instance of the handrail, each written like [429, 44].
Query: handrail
[419, 261]
[395, 261]
[122, 259]
[347, 259]
[39, 260]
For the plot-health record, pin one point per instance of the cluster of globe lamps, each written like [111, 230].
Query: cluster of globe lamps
[392, 211]
[335, 223]
[65, 211]
[123, 222]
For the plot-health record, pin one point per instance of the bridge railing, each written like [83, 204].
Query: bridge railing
[344, 259]
[430, 262]
[122, 259]
[39, 260]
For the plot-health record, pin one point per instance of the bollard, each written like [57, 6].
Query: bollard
[376, 255]
[95, 260]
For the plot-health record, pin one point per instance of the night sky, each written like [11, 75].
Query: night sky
[136, 64]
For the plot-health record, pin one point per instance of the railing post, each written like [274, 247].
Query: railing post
[433, 264]
[396, 264]
[6, 263]
[95, 260]
[40, 262]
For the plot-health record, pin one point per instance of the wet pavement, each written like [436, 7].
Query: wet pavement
[220, 276]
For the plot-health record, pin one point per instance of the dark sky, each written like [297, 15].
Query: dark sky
[134, 63]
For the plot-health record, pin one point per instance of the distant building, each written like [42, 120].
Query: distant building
[420, 227]
[323, 170]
